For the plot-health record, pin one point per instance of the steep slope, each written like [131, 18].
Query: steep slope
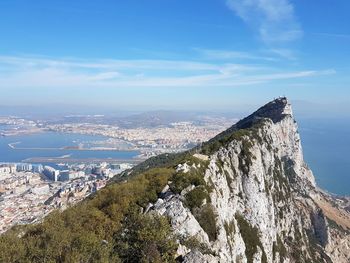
[244, 196]
[259, 193]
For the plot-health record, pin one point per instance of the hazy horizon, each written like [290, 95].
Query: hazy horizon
[301, 109]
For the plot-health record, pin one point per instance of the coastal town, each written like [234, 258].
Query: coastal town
[33, 187]
[29, 192]
[148, 141]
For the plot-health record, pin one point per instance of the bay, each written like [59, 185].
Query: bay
[47, 145]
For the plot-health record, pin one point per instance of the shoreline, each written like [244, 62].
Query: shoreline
[82, 160]
[71, 148]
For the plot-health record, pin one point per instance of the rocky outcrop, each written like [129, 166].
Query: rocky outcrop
[262, 203]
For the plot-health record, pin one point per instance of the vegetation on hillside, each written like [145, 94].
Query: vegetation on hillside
[107, 227]
[251, 239]
[244, 135]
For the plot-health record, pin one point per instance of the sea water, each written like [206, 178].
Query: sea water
[326, 145]
[48, 144]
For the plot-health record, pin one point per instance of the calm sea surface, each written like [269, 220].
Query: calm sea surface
[326, 145]
[55, 140]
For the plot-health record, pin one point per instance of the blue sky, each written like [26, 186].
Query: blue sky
[175, 54]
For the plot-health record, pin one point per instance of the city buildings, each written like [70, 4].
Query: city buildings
[27, 195]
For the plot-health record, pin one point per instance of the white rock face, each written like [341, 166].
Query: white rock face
[262, 179]
[196, 257]
[182, 219]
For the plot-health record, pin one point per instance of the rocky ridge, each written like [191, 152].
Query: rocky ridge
[258, 201]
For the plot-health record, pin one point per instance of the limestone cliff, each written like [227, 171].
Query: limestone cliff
[258, 201]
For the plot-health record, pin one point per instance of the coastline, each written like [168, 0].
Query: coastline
[134, 160]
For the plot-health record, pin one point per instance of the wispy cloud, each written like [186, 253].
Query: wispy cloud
[229, 55]
[284, 53]
[274, 20]
[343, 36]
[44, 72]
[38, 61]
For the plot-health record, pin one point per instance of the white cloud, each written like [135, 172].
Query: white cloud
[229, 54]
[344, 36]
[284, 53]
[68, 73]
[106, 64]
[274, 20]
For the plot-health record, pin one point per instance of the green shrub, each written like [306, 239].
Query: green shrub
[229, 181]
[279, 247]
[220, 164]
[145, 238]
[251, 238]
[245, 156]
[11, 248]
[193, 244]
[233, 134]
[196, 197]
[230, 228]
[195, 176]
[156, 180]
[182, 180]
[207, 220]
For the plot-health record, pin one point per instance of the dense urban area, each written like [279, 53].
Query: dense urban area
[149, 141]
[29, 191]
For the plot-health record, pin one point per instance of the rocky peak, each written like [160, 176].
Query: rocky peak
[260, 196]
[274, 110]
